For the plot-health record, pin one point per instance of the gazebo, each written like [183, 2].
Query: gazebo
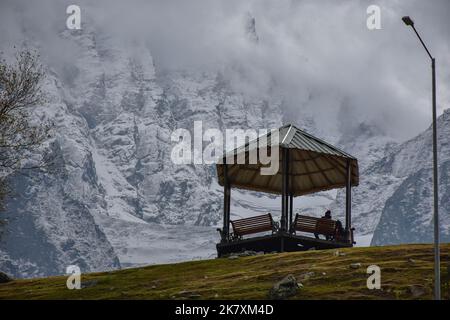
[307, 165]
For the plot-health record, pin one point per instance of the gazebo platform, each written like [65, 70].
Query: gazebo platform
[278, 242]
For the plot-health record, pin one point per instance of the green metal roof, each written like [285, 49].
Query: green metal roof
[296, 138]
[292, 137]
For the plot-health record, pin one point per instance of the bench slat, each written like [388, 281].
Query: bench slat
[242, 221]
[252, 223]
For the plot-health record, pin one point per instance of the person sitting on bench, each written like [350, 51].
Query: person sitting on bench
[340, 232]
[326, 216]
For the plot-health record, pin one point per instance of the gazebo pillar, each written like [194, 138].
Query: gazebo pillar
[291, 206]
[348, 201]
[289, 195]
[226, 204]
[285, 188]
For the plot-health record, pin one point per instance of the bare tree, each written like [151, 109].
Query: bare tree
[21, 134]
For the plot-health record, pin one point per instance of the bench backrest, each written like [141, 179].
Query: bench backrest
[252, 225]
[315, 225]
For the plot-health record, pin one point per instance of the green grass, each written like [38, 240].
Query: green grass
[252, 277]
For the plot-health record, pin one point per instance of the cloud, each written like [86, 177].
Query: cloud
[317, 56]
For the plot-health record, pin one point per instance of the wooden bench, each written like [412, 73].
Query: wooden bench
[326, 227]
[252, 225]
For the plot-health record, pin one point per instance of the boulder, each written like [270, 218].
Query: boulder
[89, 283]
[245, 253]
[416, 290]
[338, 253]
[4, 278]
[307, 275]
[285, 288]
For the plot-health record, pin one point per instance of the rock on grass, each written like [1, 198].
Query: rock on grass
[416, 290]
[4, 278]
[285, 288]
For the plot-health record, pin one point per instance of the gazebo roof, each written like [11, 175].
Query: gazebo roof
[314, 165]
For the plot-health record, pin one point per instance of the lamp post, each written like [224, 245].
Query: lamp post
[437, 273]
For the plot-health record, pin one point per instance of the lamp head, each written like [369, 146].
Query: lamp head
[408, 21]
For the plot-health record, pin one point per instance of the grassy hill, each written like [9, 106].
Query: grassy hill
[406, 273]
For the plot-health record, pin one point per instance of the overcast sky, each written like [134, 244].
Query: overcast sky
[315, 54]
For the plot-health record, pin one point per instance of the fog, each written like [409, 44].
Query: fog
[315, 55]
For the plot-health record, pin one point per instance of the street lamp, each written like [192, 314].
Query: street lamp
[437, 272]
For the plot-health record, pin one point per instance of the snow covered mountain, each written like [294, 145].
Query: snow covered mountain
[407, 216]
[393, 203]
[114, 115]
[115, 199]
